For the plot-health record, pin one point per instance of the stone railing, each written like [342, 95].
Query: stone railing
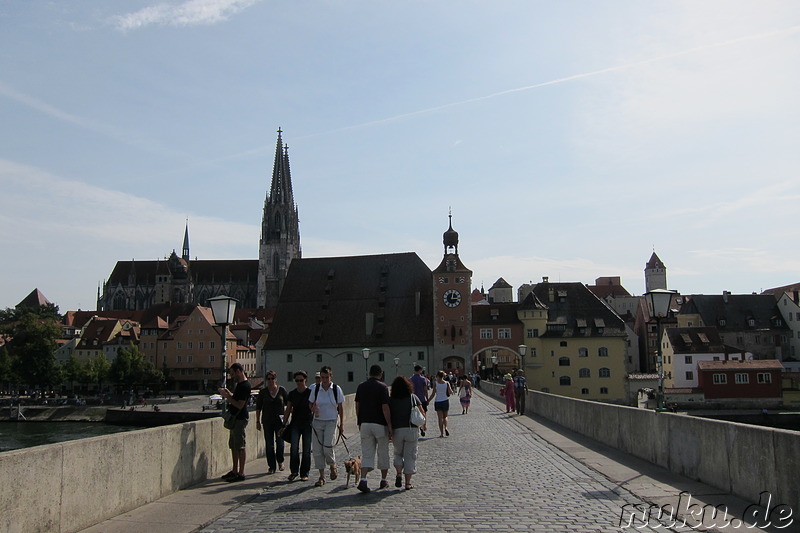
[740, 459]
[72, 485]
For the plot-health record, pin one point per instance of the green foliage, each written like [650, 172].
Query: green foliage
[7, 375]
[131, 368]
[31, 344]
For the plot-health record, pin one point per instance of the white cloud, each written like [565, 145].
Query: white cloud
[190, 13]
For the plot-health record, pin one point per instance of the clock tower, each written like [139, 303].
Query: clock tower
[452, 310]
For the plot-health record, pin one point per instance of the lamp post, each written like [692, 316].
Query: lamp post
[365, 353]
[522, 351]
[494, 364]
[658, 301]
[223, 308]
[396, 364]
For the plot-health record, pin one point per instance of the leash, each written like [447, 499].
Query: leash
[342, 438]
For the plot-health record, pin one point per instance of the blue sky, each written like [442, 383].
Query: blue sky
[570, 139]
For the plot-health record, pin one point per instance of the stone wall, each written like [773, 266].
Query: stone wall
[737, 458]
[72, 485]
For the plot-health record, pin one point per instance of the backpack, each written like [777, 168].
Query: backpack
[335, 395]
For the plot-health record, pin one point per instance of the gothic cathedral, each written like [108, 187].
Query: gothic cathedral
[280, 231]
[137, 285]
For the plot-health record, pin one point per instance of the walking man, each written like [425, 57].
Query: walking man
[237, 406]
[374, 425]
[420, 383]
[520, 391]
[325, 401]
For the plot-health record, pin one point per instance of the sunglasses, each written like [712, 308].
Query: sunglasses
[299, 380]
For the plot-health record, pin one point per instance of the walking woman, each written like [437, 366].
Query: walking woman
[299, 427]
[404, 436]
[465, 394]
[441, 396]
[508, 392]
[270, 405]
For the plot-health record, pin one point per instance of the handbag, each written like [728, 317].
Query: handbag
[417, 418]
[229, 419]
[286, 434]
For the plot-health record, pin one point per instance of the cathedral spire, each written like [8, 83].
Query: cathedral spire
[280, 230]
[185, 252]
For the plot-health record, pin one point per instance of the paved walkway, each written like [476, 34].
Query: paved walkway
[496, 472]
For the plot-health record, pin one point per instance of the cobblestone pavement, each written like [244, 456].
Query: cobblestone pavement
[491, 474]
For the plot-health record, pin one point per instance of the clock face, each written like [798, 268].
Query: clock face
[452, 298]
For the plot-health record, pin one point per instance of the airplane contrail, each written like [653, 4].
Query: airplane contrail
[786, 31]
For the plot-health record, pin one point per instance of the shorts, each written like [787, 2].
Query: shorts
[237, 439]
[444, 405]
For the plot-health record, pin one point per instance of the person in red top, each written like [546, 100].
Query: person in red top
[508, 392]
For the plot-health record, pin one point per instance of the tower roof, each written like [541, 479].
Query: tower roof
[655, 262]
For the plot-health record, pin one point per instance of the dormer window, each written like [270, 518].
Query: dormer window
[722, 322]
[751, 322]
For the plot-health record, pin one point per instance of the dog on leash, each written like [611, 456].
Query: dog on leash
[352, 467]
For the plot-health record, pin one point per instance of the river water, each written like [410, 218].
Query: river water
[19, 435]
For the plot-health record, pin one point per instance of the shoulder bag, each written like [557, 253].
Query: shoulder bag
[417, 418]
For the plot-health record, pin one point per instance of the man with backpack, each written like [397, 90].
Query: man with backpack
[326, 403]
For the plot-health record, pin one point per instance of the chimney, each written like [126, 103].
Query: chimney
[796, 297]
[725, 295]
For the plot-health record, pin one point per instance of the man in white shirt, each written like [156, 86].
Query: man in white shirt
[326, 402]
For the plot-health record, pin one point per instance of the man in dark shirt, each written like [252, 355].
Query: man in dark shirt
[237, 406]
[374, 425]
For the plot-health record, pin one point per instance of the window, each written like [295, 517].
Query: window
[742, 379]
[380, 356]
[504, 333]
[720, 379]
[764, 377]
[211, 345]
[689, 375]
[563, 343]
[349, 358]
[486, 333]
[201, 345]
[189, 358]
[212, 358]
[563, 361]
[420, 356]
[178, 359]
[206, 371]
[189, 345]
[350, 376]
[532, 333]
[584, 391]
[564, 380]
[180, 345]
[602, 352]
[603, 390]
[604, 372]
[584, 373]
[583, 352]
[319, 358]
[290, 376]
[289, 359]
[687, 359]
[751, 322]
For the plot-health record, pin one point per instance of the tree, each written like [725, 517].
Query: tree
[32, 346]
[99, 369]
[7, 376]
[72, 371]
[131, 368]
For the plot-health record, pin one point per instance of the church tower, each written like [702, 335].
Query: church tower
[452, 310]
[655, 274]
[280, 231]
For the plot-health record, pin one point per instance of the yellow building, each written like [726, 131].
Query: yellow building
[576, 344]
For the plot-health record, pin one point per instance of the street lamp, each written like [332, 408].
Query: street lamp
[658, 301]
[223, 307]
[522, 350]
[365, 353]
[396, 363]
[494, 364]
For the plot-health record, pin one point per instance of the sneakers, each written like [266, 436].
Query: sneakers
[362, 486]
[384, 484]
